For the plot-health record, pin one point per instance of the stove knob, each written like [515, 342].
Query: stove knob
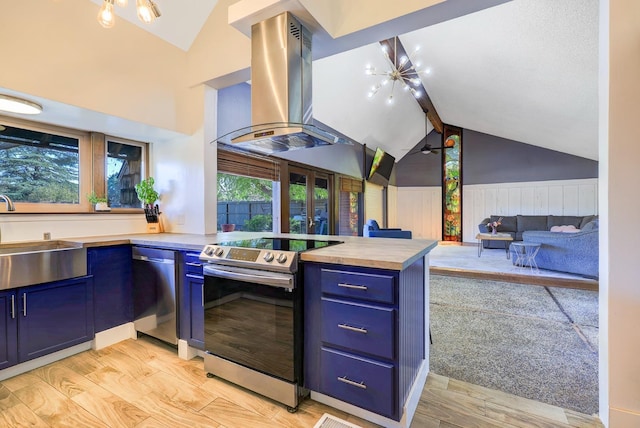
[282, 258]
[268, 257]
[208, 251]
[218, 252]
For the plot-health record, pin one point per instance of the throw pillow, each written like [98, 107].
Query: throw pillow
[565, 228]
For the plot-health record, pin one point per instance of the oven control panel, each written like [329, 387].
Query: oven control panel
[260, 258]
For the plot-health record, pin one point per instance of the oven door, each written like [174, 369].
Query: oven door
[253, 318]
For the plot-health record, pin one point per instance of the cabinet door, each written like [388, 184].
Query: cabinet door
[193, 289]
[113, 295]
[8, 329]
[54, 316]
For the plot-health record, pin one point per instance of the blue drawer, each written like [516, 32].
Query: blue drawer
[372, 287]
[192, 263]
[360, 327]
[362, 382]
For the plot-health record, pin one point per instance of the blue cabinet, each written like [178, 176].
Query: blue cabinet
[113, 293]
[364, 334]
[191, 300]
[54, 316]
[8, 329]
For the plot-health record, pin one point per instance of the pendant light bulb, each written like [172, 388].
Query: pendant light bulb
[147, 11]
[106, 16]
[121, 3]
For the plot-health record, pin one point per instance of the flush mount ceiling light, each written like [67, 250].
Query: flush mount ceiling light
[18, 105]
[147, 11]
[404, 70]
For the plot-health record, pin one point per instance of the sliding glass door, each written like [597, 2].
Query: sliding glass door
[309, 202]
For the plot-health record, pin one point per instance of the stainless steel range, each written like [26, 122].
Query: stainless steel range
[253, 314]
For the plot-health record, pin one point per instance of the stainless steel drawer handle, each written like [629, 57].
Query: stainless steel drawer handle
[193, 264]
[356, 287]
[352, 383]
[24, 305]
[13, 306]
[356, 329]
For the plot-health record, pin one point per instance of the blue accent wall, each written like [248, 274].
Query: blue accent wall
[490, 159]
[234, 108]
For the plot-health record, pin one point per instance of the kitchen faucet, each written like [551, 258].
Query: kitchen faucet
[10, 207]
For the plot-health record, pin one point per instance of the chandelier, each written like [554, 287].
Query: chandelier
[404, 71]
[147, 11]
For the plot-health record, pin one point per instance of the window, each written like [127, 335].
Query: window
[48, 169]
[125, 162]
[41, 169]
[246, 185]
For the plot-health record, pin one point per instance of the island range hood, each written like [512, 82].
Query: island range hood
[281, 112]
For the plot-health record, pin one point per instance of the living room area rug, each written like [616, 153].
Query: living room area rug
[532, 341]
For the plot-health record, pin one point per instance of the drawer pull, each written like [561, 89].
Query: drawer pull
[193, 264]
[356, 287]
[351, 382]
[356, 329]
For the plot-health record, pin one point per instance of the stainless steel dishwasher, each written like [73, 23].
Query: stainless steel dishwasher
[154, 293]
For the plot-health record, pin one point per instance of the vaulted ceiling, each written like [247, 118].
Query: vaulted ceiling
[524, 70]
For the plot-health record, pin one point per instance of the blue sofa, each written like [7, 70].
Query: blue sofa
[371, 229]
[575, 253]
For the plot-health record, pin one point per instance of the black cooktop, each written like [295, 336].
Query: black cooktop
[284, 244]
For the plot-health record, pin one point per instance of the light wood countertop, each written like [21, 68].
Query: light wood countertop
[382, 253]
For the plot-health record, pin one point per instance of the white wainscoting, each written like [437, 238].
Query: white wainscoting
[562, 197]
[419, 209]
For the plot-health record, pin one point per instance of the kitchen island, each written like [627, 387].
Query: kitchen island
[394, 270]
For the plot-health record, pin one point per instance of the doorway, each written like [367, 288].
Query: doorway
[310, 198]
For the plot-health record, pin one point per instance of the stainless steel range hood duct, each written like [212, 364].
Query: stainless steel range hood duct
[281, 112]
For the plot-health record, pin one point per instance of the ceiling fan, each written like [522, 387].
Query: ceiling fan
[426, 148]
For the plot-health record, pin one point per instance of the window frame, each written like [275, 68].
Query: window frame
[92, 167]
[84, 168]
[144, 168]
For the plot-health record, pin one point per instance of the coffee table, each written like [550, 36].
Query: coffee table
[493, 237]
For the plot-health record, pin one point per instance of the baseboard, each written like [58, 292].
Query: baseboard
[187, 352]
[43, 361]
[114, 335]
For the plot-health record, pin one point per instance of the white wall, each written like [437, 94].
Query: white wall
[31, 227]
[419, 209]
[565, 197]
[620, 269]
[373, 202]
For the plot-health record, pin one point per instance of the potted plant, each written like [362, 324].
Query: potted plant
[99, 202]
[148, 196]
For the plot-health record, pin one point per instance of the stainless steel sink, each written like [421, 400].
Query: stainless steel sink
[37, 262]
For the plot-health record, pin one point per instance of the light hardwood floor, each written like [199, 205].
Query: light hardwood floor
[142, 383]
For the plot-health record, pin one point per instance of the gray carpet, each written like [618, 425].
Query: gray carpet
[535, 342]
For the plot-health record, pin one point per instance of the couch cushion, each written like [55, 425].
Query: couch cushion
[531, 222]
[508, 223]
[592, 225]
[563, 220]
[587, 219]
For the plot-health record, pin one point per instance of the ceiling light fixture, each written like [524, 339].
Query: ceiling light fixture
[146, 10]
[404, 71]
[18, 105]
